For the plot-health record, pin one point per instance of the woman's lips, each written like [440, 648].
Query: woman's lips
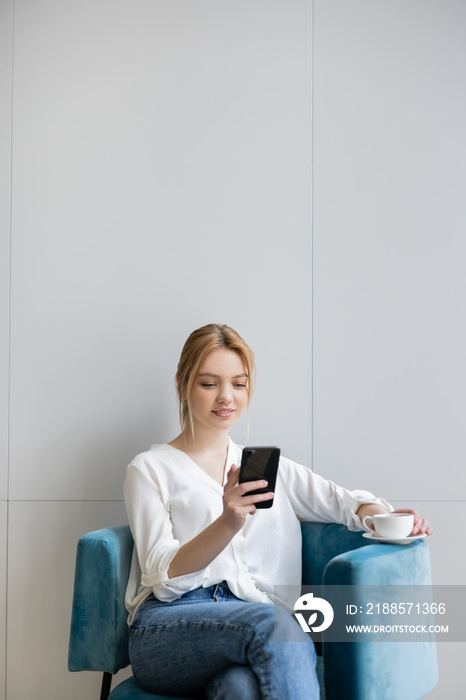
[224, 413]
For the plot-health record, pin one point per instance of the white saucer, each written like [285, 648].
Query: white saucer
[389, 540]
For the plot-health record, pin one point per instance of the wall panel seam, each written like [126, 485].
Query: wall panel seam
[8, 417]
[65, 500]
[312, 235]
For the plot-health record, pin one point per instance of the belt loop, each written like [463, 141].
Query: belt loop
[222, 592]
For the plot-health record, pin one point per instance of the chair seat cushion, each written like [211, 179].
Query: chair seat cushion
[131, 690]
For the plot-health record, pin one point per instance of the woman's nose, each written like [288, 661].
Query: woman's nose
[224, 395]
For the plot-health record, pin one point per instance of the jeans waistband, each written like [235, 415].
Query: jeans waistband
[218, 592]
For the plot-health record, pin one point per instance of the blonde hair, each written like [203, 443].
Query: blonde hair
[199, 344]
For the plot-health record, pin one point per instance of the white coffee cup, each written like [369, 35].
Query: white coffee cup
[393, 525]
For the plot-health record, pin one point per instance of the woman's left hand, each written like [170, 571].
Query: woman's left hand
[421, 525]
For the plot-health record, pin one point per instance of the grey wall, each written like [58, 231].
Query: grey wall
[159, 169]
[389, 243]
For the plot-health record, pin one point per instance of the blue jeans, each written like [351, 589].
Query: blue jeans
[210, 644]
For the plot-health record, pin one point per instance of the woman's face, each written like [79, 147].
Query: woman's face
[220, 390]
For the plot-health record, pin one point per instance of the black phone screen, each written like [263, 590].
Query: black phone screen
[260, 463]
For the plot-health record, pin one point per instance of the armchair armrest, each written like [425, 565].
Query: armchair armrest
[369, 670]
[99, 635]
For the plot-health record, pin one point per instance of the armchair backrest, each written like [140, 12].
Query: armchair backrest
[321, 543]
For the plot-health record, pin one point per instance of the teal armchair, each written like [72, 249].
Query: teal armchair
[332, 555]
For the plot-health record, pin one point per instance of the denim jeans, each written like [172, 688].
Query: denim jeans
[210, 644]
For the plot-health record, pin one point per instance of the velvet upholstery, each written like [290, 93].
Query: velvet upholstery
[321, 543]
[99, 634]
[331, 555]
[131, 690]
[389, 670]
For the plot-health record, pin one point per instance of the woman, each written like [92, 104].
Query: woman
[206, 561]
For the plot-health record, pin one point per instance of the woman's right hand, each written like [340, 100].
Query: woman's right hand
[199, 552]
[235, 505]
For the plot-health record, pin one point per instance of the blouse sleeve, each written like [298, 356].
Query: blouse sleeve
[315, 499]
[152, 531]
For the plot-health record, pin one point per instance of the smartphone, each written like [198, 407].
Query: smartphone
[260, 463]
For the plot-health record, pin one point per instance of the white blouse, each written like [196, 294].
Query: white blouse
[169, 500]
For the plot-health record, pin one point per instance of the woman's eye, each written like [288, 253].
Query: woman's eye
[208, 385]
[240, 386]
